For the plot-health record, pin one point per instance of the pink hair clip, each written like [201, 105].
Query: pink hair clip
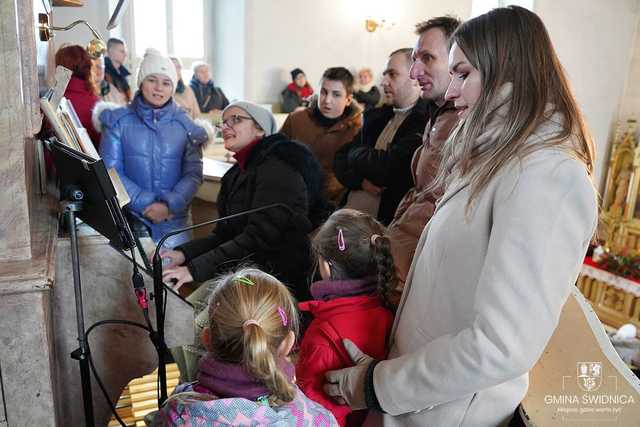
[341, 244]
[283, 316]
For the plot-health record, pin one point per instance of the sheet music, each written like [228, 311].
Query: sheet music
[79, 133]
[121, 192]
[54, 118]
[61, 77]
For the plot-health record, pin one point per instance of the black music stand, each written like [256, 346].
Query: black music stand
[86, 192]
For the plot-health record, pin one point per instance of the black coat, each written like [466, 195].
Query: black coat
[209, 96]
[390, 169]
[368, 99]
[278, 170]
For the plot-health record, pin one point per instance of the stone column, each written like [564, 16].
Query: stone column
[15, 128]
[27, 229]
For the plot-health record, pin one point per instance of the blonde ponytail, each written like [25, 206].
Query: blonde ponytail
[251, 313]
[260, 362]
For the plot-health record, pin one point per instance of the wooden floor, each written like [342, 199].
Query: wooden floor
[141, 397]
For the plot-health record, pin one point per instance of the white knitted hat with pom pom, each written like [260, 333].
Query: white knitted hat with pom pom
[156, 63]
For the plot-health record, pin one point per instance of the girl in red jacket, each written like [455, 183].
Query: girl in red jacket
[350, 301]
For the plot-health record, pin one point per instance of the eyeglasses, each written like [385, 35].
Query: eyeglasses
[233, 120]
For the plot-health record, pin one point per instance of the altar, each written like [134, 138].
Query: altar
[615, 299]
[611, 282]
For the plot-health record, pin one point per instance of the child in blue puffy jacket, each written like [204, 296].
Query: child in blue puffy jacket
[155, 148]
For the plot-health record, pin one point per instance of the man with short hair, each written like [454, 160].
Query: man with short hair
[375, 166]
[116, 73]
[328, 124]
[211, 98]
[430, 70]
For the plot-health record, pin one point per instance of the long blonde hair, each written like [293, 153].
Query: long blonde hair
[511, 46]
[250, 294]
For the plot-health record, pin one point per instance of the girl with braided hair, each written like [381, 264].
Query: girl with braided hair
[350, 302]
[246, 378]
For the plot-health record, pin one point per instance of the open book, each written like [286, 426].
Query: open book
[66, 124]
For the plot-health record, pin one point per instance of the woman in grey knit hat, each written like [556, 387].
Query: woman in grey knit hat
[270, 168]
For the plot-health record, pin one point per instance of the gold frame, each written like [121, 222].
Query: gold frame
[620, 219]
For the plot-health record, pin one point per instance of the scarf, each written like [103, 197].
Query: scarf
[326, 122]
[493, 128]
[548, 127]
[303, 92]
[366, 88]
[227, 380]
[325, 290]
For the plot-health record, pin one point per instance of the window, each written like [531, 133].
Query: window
[174, 27]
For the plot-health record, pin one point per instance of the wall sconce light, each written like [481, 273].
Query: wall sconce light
[371, 24]
[95, 48]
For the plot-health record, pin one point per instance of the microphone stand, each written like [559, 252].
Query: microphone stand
[81, 354]
[158, 284]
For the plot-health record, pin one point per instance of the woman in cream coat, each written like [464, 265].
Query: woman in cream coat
[497, 261]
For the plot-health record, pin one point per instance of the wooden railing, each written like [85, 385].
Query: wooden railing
[141, 397]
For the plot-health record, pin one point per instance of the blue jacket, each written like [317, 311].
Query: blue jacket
[158, 154]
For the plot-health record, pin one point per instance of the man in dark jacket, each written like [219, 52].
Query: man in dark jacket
[375, 166]
[114, 70]
[210, 97]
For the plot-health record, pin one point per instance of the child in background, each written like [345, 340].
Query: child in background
[297, 93]
[246, 379]
[357, 273]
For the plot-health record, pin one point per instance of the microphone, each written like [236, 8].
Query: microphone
[300, 222]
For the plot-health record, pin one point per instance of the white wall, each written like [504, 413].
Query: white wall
[594, 40]
[228, 49]
[95, 12]
[630, 105]
[314, 35]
